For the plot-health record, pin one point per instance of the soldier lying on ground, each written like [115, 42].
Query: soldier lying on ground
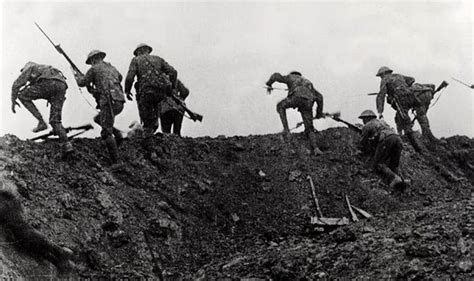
[29, 239]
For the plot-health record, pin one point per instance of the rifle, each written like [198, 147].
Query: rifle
[337, 117]
[75, 69]
[398, 107]
[464, 83]
[192, 115]
[441, 86]
[84, 129]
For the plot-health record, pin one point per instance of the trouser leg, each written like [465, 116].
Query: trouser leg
[55, 115]
[281, 109]
[399, 123]
[424, 123]
[307, 117]
[178, 121]
[106, 120]
[166, 122]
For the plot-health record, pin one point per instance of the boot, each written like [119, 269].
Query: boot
[112, 147]
[415, 142]
[313, 143]
[40, 127]
[67, 148]
[396, 182]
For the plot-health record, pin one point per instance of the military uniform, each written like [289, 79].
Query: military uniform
[105, 79]
[423, 95]
[381, 142]
[169, 112]
[301, 95]
[155, 79]
[43, 82]
[400, 96]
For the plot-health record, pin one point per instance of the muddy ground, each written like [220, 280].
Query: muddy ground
[240, 207]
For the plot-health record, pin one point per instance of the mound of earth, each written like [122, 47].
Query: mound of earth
[240, 207]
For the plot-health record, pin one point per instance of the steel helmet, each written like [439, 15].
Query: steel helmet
[28, 65]
[94, 53]
[367, 113]
[296, 73]
[383, 70]
[142, 45]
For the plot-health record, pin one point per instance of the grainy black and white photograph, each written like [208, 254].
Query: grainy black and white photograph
[237, 140]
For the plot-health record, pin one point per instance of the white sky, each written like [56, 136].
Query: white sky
[225, 51]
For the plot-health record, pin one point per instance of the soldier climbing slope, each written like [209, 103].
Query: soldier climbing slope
[155, 79]
[301, 95]
[170, 113]
[384, 145]
[105, 79]
[423, 95]
[397, 89]
[43, 82]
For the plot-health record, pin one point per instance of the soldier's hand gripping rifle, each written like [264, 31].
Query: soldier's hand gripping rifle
[192, 115]
[75, 69]
[83, 128]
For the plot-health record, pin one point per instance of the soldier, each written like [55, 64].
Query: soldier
[397, 89]
[43, 82]
[170, 115]
[381, 142]
[423, 95]
[105, 80]
[301, 95]
[155, 79]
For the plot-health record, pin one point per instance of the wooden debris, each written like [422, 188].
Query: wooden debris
[329, 221]
[362, 212]
[313, 193]
[353, 214]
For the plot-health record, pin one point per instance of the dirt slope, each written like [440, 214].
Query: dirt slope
[243, 201]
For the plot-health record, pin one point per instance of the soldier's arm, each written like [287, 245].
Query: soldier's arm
[276, 77]
[319, 102]
[366, 135]
[132, 72]
[409, 80]
[380, 101]
[171, 72]
[20, 82]
[85, 80]
[183, 91]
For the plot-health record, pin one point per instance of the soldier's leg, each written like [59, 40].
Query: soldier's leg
[166, 122]
[307, 117]
[424, 123]
[381, 157]
[55, 116]
[281, 109]
[106, 121]
[27, 96]
[399, 123]
[407, 127]
[178, 121]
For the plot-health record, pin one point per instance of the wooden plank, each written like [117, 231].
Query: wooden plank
[329, 221]
[313, 193]
[353, 214]
[362, 212]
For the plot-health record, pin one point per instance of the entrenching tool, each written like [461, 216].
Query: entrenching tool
[83, 129]
[320, 220]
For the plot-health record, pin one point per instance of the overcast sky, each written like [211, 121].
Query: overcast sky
[225, 51]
